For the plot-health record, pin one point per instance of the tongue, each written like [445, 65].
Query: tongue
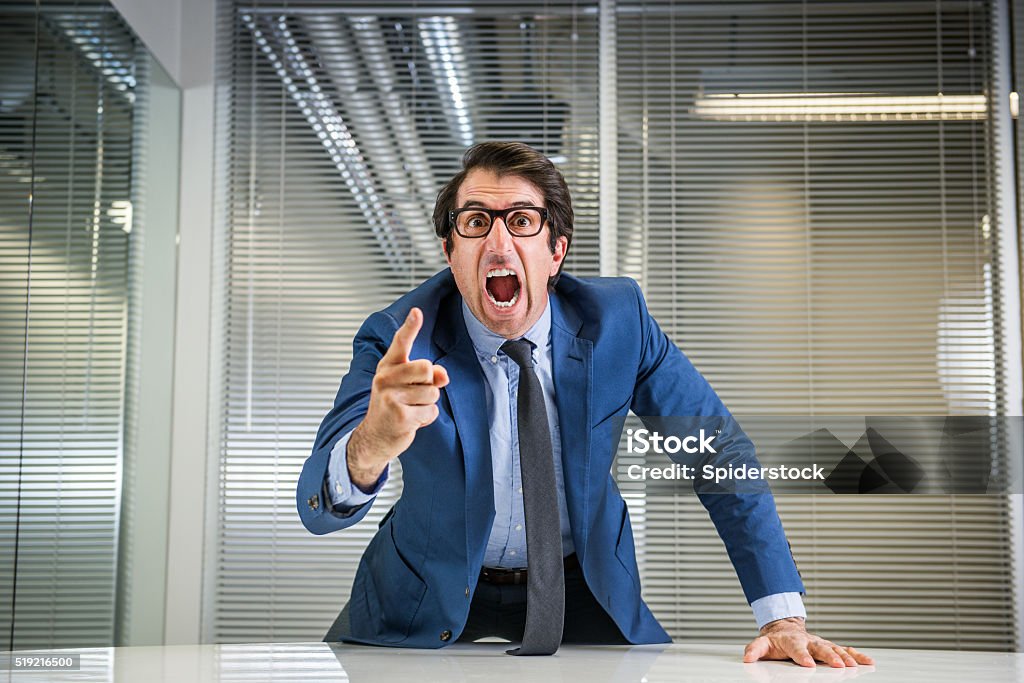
[503, 287]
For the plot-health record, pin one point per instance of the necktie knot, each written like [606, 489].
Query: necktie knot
[520, 351]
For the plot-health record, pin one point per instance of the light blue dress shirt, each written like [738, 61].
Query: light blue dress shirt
[506, 546]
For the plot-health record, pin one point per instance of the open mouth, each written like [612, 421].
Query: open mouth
[502, 287]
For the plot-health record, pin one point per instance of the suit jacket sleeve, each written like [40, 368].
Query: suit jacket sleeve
[350, 405]
[669, 385]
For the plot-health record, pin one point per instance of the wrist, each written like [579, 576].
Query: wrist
[787, 623]
[363, 469]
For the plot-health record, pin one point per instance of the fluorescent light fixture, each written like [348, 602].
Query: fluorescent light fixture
[440, 38]
[292, 67]
[121, 213]
[87, 33]
[827, 107]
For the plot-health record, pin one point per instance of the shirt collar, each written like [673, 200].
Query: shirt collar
[487, 342]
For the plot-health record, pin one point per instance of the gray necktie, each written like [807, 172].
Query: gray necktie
[545, 585]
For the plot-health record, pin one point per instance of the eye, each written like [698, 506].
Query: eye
[521, 220]
[476, 220]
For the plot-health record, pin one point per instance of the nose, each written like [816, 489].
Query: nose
[499, 240]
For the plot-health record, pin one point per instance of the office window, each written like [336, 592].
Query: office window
[807, 197]
[72, 99]
[341, 127]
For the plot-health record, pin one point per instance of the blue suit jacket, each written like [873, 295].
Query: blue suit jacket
[416, 579]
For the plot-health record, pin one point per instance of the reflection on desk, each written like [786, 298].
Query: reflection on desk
[321, 662]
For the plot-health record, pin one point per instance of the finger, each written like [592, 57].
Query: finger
[847, 658]
[801, 655]
[413, 372]
[756, 649]
[418, 394]
[424, 415]
[401, 343]
[860, 656]
[440, 376]
[823, 652]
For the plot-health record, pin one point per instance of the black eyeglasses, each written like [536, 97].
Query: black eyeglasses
[477, 221]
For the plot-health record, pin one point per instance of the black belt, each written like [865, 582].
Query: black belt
[516, 577]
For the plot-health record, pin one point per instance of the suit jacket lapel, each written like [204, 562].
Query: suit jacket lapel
[572, 358]
[466, 395]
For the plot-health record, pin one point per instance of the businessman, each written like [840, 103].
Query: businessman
[496, 382]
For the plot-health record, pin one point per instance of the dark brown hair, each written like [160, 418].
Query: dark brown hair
[511, 159]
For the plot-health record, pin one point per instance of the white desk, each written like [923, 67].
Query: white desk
[320, 663]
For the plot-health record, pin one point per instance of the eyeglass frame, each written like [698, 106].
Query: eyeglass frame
[494, 213]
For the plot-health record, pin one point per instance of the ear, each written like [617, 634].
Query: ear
[444, 248]
[558, 255]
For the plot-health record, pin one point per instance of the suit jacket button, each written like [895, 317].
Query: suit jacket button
[314, 502]
[446, 636]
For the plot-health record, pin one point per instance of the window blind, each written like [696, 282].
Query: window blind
[807, 197]
[342, 124]
[810, 259]
[66, 122]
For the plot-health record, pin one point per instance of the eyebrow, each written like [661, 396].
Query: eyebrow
[473, 202]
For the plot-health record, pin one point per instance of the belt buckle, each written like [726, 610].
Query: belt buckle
[499, 576]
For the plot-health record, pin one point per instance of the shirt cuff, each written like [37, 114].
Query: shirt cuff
[778, 606]
[344, 494]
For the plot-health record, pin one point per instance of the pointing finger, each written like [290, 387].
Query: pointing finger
[401, 343]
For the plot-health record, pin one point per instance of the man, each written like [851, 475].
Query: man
[497, 382]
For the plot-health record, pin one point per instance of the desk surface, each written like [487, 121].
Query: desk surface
[487, 662]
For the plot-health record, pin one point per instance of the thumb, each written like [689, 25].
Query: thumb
[756, 649]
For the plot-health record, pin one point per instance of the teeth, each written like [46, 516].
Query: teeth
[504, 304]
[500, 272]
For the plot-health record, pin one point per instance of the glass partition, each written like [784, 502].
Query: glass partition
[74, 128]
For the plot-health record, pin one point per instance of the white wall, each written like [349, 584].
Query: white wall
[142, 565]
[158, 24]
[181, 35]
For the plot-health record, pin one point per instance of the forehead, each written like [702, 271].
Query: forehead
[496, 192]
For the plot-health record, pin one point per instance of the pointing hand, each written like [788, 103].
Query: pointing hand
[403, 398]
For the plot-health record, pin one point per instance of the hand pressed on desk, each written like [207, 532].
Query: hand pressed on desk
[789, 639]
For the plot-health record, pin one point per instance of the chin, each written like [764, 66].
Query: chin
[506, 325]
[509, 329]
